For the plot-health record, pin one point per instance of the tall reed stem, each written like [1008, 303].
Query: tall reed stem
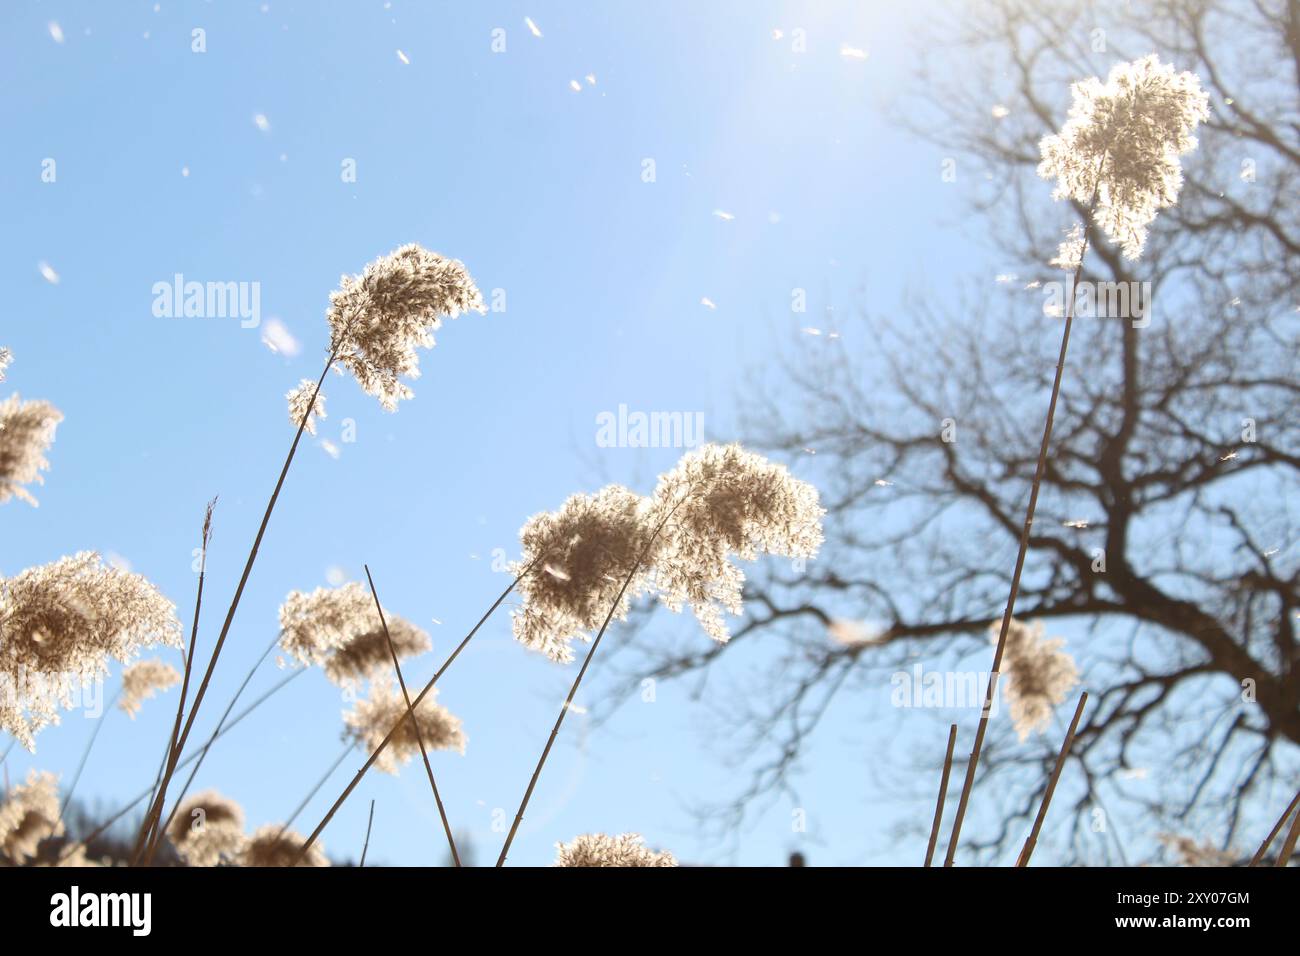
[973, 765]
[202, 754]
[568, 701]
[147, 839]
[1277, 827]
[144, 794]
[365, 847]
[1288, 846]
[156, 810]
[943, 793]
[415, 722]
[302, 804]
[383, 744]
[1032, 841]
[85, 754]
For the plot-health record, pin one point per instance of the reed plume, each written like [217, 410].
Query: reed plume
[26, 433]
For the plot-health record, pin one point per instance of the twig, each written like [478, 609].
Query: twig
[366, 846]
[943, 792]
[415, 721]
[347, 791]
[1032, 841]
[1277, 827]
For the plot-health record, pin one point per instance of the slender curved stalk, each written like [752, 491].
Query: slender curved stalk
[314, 790]
[144, 794]
[156, 810]
[1277, 828]
[1032, 840]
[180, 797]
[147, 839]
[586, 662]
[1023, 550]
[943, 793]
[365, 847]
[383, 744]
[85, 754]
[415, 722]
[1288, 846]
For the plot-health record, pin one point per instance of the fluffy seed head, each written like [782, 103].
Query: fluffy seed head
[1037, 674]
[598, 849]
[26, 433]
[60, 624]
[375, 716]
[299, 400]
[726, 501]
[28, 816]
[208, 829]
[142, 680]
[269, 847]
[584, 553]
[1122, 141]
[380, 317]
[5, 358]
[338, 629]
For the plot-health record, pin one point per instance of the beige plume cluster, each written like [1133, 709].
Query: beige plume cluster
[379, 318]
[29, 814]
[61, 623]
[300, 399]
[374, 717]
[208, 829]
[598, 849]
[1122, 142]
[1037, 675]
[719, 502]
[338, 630]
[26, 433]
[142, 680]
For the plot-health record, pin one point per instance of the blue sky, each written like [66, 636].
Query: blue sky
[494, 159]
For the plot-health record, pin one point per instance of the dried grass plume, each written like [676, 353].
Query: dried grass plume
[60, 624]
[268, 846]
[583, 553]
[142, 680]
[372, 719]
[379, 318]
[28, 816]
[1122, 141]
[26, 433]
[726, 501]
[1037, 675]
[208, 829]
[597, 849]
[300, 398]
[338, 629]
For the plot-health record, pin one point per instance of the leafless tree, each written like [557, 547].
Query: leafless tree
[1165, 519]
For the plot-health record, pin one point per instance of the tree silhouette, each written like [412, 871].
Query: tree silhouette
[1164, 523]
